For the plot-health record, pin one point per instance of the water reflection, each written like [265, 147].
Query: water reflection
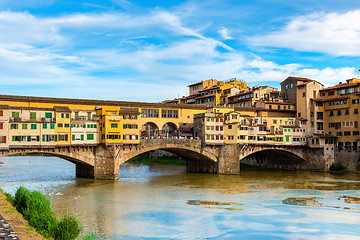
[309, 202]
[151, 201]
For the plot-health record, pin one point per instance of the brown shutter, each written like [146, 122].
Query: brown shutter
[4, 139]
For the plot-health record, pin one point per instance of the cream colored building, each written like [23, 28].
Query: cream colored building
[31, 127]
[4, 127]
[84, 127]
[209, 127]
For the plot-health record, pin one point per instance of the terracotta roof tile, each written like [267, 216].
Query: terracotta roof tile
[342, 85]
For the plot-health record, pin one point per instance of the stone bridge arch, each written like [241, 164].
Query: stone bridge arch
[197, 158]
[288, 157]
[83, 157]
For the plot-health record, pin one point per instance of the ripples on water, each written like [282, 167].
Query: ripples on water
[153, 201]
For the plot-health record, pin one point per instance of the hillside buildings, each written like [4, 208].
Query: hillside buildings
[303, 114]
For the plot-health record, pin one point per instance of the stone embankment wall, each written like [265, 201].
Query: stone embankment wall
[350, 159]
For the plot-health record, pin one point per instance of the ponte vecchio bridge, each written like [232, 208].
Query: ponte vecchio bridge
[98, 136]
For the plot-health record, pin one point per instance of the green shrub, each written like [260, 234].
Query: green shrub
[90, 236]
[31, 201]
[21, 199]
[337, 167]
[44, 223]
[67, 229]
[36, 208]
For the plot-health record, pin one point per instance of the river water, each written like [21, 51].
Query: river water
[152, 201]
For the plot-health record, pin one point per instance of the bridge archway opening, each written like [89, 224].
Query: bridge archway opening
[150, 130]
[195, 162]
[169, 130]
[274, 159]
[83, 169]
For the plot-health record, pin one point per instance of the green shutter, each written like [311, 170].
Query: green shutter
[73, 137]
[44, 125]
[43, 138]
[32, 116]
[52, 126]
[15, 114]
[56, 138]
[29, 138]
[13, 138]
[82, 137]
[33, 126]
[24, 126]
[48, 115]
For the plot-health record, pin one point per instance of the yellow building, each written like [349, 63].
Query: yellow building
[110, 125]
[130, 125]
[63, 124]
[218, 93]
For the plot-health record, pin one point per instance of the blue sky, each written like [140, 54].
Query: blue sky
[146, 50]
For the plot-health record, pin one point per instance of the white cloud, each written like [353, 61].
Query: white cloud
[332, 33]
[259, 70]
[224, 33]
[49, 54]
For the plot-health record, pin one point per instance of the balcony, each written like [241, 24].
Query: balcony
[85, 118]
[42, 120]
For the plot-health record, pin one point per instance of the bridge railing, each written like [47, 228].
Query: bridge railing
[157, 141]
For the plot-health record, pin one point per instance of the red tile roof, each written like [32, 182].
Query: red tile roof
[195, 84]
[298, 78]
[205, 96]
[342, 85]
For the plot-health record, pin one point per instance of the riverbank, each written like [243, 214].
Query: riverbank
[17, 221]
[159, 160]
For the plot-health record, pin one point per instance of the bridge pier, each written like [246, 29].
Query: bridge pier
[106, 162]
[228, 160]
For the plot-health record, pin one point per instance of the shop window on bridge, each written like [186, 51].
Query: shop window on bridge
[114, 125]
[149, 113]
[63, 137]
[113, 136]
[64, 115]
[169, 113]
